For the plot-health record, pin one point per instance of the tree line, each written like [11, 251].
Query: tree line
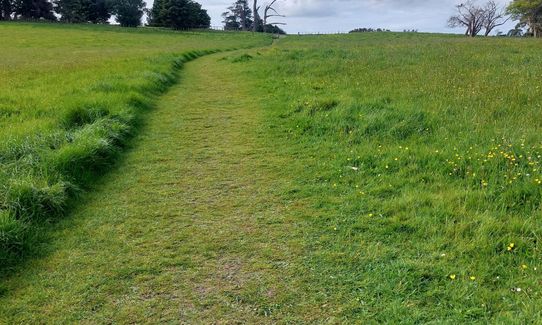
[177, 14]
[476, 18]
[368, 30]
[126, 12]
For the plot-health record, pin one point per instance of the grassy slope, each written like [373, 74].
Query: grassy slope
[45, 68]
[69, 97]
[421, 157]
[256, 215]
[189, 227]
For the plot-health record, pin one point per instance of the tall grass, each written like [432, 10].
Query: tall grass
[421, 157]
[70, 98]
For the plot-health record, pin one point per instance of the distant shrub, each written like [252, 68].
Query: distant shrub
[369, 30]
[242, 58]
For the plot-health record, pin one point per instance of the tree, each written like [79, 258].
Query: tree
[6, 9]
[269, 12]
[128, 13]
[257, 25]
[470, 16]
[516, 32]
[230, 21]
[96, 11]
[69, 10]
[476, 18]
[238, 16]
[153, 14]
[33, 9]
[179, 14]
[529, 13]
[274, 29]
[77, 11]
[202, 18]
[494, 16]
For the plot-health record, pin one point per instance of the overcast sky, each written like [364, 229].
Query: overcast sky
[329, 16]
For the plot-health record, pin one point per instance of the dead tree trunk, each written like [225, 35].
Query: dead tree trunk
[243, 19]
[257, 21]
[269, 12]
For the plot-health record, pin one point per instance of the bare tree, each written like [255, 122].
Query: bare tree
[269, 12]
[243, 14]
[257, 19]
[494, 16]
[470, 16]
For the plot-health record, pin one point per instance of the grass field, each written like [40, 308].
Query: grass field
[188, 227]
[374, 178]
[421, 155]
[68, 99]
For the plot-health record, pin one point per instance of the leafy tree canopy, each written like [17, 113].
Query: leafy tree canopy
[179, 14]
[128, 13]
[529, 13]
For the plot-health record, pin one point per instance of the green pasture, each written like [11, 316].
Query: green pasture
[330, 179]
[69, 97]
[421, 159]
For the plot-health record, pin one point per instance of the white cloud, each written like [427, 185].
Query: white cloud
[328, 16]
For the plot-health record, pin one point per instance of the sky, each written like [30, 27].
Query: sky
[331, 16]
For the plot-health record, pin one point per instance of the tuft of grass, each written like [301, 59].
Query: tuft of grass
[242, 58]
[12, 232]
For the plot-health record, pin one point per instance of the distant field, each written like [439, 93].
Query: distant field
[422, 157]
[68, 98]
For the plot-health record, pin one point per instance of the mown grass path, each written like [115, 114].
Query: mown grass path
[187, 228]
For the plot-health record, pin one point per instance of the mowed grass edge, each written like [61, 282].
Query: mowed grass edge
[42, 170]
